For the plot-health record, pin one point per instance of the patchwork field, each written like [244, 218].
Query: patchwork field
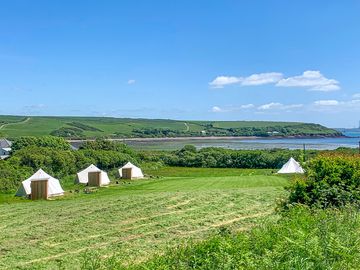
[134, 220]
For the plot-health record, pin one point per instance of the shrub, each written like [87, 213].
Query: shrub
[101, 144]
[11, 175]
[53, 161]
[332, 181]
[45, 141]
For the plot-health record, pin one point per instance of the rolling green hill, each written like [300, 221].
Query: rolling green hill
[92, 127]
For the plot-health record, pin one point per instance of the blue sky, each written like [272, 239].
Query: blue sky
[191, 60]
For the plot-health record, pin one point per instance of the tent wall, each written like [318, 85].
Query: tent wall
[39, 189]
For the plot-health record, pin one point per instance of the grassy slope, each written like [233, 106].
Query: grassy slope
[123, 127]
[133, 220]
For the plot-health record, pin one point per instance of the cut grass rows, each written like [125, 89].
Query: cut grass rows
[133, 221]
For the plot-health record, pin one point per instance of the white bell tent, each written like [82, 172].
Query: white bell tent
[130, 171]
[46, 186]
[83, 176]
[292, 166]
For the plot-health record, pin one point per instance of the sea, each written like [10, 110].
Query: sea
[351, 140]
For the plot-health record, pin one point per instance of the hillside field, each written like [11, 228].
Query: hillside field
[92, 127]
[134, 220]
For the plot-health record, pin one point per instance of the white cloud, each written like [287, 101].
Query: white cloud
[279, 106]
[254, 79]
[221, 81]
[262, 78]
[356, 95]
[247, 106]
[131, 81]
[327, 103]
[311, 79]
[217, 109]
[272, 105]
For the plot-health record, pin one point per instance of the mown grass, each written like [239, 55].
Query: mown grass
[205, 172]
[132, 220]
[302, 239]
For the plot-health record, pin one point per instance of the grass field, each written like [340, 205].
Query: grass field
[91, 127]
[134, 220]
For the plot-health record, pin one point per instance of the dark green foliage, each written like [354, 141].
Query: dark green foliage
[56, 162]
[226, 158]
[45, 141]
[332, 181]
[160, 132]
[74, 130]
[11, 175]
[214, 129]
[302, 239]
[107, 159]
[101, 144]
[83, 126]
[68, 132]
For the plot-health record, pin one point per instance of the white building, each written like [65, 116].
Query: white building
[5, 148]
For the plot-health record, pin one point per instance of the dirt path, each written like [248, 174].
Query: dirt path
[21, 122]
[187, 127]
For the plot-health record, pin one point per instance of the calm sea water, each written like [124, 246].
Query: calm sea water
[318, 143]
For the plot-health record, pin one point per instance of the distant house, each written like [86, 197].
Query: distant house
[5, 148]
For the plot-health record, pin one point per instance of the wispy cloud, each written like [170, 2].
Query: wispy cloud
[273, 106]
[262, 78]
[217, 109]
[221, 81]
[131, 81]
[279, 106]
[247, 106]
[311, 79]
[254, 79]
[326, 102]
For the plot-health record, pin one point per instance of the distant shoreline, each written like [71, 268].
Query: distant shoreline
[197, 138]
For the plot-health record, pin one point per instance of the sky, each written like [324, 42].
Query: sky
[275, 60]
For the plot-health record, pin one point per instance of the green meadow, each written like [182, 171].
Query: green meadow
[93, 127]
[134, 220]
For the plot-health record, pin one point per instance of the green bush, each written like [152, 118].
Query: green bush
[332, 181]
[101, 144]
[212, 157]
[45, 141]
[11, 176]
[55, 162]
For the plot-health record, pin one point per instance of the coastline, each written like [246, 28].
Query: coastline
[198, 138]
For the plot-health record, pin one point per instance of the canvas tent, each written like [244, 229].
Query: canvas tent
[40, 180]
[130, 171]
[83, 176]
[292, 166]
